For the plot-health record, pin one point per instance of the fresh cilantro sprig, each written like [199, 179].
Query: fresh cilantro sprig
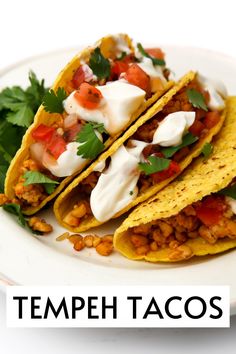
[155, 61]
[100, 66]
[156, 164]
[17, 109]
[188, 139]
[207, 150]
[15, 209]
[53, 101]
[229, 191]
[18, 105]
[91, 146]
[33, 177]
[196, 99]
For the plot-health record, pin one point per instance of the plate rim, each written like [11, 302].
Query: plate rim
[4, 280]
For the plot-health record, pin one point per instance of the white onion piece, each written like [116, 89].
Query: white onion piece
[37, 151]
[88, 73]
[70, 120]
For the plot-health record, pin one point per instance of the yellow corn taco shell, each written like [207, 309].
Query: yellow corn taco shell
[201, 179]
[106, 45]
[66, 200]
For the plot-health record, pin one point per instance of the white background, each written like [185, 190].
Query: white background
[29, 28]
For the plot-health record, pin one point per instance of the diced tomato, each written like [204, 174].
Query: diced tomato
[70, 133]
[196, 128]
[88, 96]
[155, 53]
[211, 119]
[119, 67]
[137, 76]
[78, 77]
[43, 133]
[210, 210]
[56, 146]
[167, 173]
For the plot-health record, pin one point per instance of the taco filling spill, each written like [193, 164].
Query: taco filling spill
[99, 94]
[212, 219]
[152, 156]
[195, 216]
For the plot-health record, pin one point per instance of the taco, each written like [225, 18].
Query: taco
[191, 217]
[154, 151]
[95, 98]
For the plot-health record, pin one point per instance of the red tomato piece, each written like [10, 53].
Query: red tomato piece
[167, 173]
[43, 133]
[155, 53]
[196, 128]
[211, 119]
[211, 210]
[56, 146]
[88, 96]
[137, 76]
[78, 77]
[119, 67]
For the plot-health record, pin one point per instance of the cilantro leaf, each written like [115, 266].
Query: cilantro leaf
[18, 106]
[229, 191]
[15, 209]
[3, 171]
[155, 61]
[53, 101]
[22, 116]
[188, 139]
[35, 91]
[196, 99]
[207, 150]
[156, 164]
[92, 146]
[33, 177]
[100, 66]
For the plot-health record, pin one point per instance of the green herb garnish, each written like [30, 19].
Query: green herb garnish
[92, 146]
[53, 101]
[156, 164]
[15, 209]
[188, 139]
[155, 61]
[196, 99]
[100, 66]
[33, 177]
[207, 150]
[229, 191]
[19, 106]
[17, 109]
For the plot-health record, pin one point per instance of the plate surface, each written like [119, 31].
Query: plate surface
[29, 260]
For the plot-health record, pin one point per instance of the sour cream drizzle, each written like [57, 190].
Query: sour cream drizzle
[120, 101]
[217, 92]
[117, 186]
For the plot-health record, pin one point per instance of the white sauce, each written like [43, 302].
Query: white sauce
[117, 186]
[121, 44]
[232, 203]
[217, 92]
[100, 166]
[120, 101]
[154, 71]
[171, 130]
[68, 162]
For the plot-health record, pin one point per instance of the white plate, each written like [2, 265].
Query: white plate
[30, 260]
